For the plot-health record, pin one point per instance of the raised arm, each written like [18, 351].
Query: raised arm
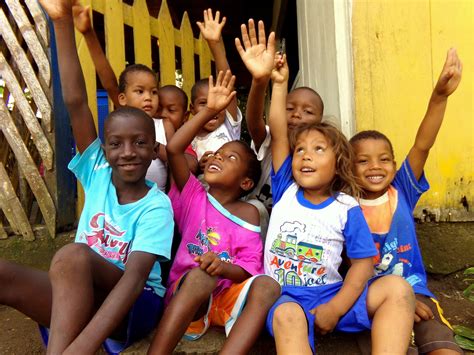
[72, 80]
[211, 30]
[277, 117]
[447, 83]
[218, 98]
[107, 77]
[258, 57]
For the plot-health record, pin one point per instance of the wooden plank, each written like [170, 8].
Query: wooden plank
[114, 35]
[187, 54]
[12, 207]
[44, 148]
[204, 58]
[166, 46]
[3, 234]
[28, 166]
[141, 32]
[27, 71]
[31, 39]
[41, 23]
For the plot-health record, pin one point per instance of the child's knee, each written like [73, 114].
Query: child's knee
[289, 316]
[71, 257]
[391, 289]
[398, 288]
[199, 281]
[265, 290]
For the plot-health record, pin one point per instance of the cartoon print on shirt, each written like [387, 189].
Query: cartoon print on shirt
[106, 238]
[206, 241]
[298, 262]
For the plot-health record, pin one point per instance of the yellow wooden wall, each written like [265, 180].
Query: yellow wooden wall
[399, 49]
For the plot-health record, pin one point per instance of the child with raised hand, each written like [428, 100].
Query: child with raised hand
[389, 198]
[125, 227]
[137, 87]
[303, 104]
[215, 270]
[226, 125]
[313, 218]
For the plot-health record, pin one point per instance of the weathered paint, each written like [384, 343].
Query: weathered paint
[399, 48]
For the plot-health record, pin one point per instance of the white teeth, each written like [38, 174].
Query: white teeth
[307, 170]
[214, 167]
[375, 178]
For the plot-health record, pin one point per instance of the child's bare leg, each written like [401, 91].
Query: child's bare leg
[80, 279]
[391, 304]
[27, 290]
[263, 292]
[290, 329]
[193, 293]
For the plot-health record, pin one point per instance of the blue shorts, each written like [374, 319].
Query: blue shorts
[355, 320]
[141, 320]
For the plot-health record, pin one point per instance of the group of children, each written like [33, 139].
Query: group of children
[340, 252]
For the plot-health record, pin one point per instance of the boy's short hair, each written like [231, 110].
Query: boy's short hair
[178, 91]
[132, 112]
[372, 134]
[197, 85]
[134, 68]
[254, 167]
[318, 97]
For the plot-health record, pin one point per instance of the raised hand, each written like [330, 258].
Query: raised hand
[211, 29]
[221, 94]
[257, 55]
[280, 70]
[57, 9]
[82, 20]
[450, 76]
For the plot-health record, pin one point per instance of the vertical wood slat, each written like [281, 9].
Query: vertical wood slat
[187, 54]
[41, 23]
[114, 35]
[12, 207]
[44, 148]
[204, 58]
[141, 32]
[166, 46]
[27, 71]
[28, 166]
[31, 39]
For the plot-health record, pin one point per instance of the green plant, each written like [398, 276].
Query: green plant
[465, 335]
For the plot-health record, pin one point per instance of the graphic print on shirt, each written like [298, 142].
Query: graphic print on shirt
[206, 240]
[297, 263]
[106, 238]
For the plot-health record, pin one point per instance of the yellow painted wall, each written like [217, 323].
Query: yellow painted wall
[399, 49]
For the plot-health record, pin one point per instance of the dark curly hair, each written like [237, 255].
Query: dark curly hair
[344, 180]
[371, 134]
[134, 68]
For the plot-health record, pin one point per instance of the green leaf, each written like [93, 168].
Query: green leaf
[464, 343]
[469, 293]
[469, 271]
[463, 331]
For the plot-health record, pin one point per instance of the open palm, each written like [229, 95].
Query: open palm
[221, 94]
[450, 76]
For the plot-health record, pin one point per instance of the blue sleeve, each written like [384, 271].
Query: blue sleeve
[85, 165]
[406, 183]
[359, 241]
[282, 179]
[154, 233]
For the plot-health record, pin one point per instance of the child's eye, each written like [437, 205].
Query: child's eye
[319, 149]
[140, 142]
[385, 159]
[309, 112]
[362, 161]
[289, 109]
[139, 91]
[299, 150]
[114, 144]
[232, 157]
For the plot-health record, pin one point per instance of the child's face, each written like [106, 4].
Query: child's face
[129, 148]
[227, 167]
[314, 163]
[302, 106]
[375, 167]
[171, 107]
[141, 92]
[200, 103]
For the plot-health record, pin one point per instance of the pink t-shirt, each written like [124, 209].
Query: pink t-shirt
[205, 225]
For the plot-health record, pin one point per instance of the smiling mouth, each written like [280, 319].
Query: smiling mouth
[307, 170]
[214, 167]
[375, 178]
[129, 167]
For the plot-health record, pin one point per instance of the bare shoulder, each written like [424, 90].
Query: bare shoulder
[246, 212]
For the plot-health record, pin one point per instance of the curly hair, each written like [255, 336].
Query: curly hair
[134, 68]
[344, 180]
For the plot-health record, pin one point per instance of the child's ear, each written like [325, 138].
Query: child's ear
[156, 148]
[122, 99]
[246, 184]
[191, 109]
[186, 116]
